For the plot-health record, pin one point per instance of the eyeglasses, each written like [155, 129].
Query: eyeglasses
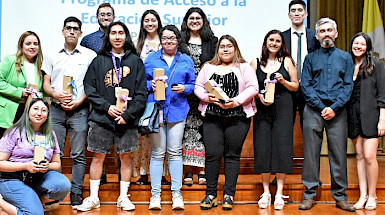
[105, 15]
[173, 38]
[69, 28]
[226, 46]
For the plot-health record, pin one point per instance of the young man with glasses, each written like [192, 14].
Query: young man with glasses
[105, 15]
[69, 109]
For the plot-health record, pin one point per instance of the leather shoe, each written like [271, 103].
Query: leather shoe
[307, 204]
[344, 205]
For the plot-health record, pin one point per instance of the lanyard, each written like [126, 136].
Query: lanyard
[118, 71]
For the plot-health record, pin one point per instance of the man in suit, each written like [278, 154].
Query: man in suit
[308, 43]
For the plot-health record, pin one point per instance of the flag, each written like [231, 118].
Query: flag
[372, 25]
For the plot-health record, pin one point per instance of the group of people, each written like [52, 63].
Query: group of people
[332, 89]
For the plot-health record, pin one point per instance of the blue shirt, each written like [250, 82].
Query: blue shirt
[327, 78]
[175, 107]
[93, 41]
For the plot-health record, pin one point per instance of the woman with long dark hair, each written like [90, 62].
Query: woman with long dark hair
[225, 123]
[23, 179]
[147, 43]
[201, 42]
[148, 39]
[273, 123]
[16, 73]
[116, 67]
[366, 116]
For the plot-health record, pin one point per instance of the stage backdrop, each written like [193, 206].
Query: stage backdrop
[246, 20]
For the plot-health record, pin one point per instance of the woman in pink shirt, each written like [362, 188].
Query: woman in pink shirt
[225, 117]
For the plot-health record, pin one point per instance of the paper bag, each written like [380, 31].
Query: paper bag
[270, 90]
[39, 151]
[213, 88]
[160, 91]
[67, 88]
[29, 99]
[121, 104]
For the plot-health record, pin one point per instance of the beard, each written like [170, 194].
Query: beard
[104, 27]
[328, 43]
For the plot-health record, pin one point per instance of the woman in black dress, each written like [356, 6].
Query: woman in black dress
[273, 123]
[366, 116]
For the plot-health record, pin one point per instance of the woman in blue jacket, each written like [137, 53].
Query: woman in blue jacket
[175, 109]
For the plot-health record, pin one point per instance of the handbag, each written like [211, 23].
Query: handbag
[150, 121]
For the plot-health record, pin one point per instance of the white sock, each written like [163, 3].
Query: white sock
[94, 188]
[124, 185]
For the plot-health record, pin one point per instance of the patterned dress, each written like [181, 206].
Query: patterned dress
[193, 150]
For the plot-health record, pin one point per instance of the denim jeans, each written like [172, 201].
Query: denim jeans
[76, 122]
[54, 186]
[169, 138]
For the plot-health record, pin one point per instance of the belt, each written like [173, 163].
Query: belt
[24, 176]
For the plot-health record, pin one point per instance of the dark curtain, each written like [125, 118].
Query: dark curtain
[348, 15]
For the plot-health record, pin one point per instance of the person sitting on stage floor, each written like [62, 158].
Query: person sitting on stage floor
[23, 179]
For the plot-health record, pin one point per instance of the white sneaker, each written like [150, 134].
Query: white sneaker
[89, 203]
[177, 202]
[125, 204]
[155, 203]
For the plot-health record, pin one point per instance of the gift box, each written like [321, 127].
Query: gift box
[39, 151]
[213, 88]
[160, 84]
[121, 98]
[67, 87]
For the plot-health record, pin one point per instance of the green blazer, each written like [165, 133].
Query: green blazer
[11, 88]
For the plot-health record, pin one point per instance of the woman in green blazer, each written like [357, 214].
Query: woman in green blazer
[17, 72]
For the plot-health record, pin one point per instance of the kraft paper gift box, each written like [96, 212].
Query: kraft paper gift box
[213, 88]
[39, 151]
[270, 89]
[66, 80]
[29, 99]
[160, 91]
[120, 102]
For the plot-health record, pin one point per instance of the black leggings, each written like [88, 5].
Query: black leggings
[223, 136]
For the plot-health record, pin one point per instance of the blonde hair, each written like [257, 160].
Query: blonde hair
[38, 59]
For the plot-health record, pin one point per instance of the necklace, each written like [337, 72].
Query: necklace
[273, 63]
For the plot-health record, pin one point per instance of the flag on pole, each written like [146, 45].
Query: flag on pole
[372, 25]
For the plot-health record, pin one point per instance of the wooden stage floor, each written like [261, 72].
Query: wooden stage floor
[248, 190]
